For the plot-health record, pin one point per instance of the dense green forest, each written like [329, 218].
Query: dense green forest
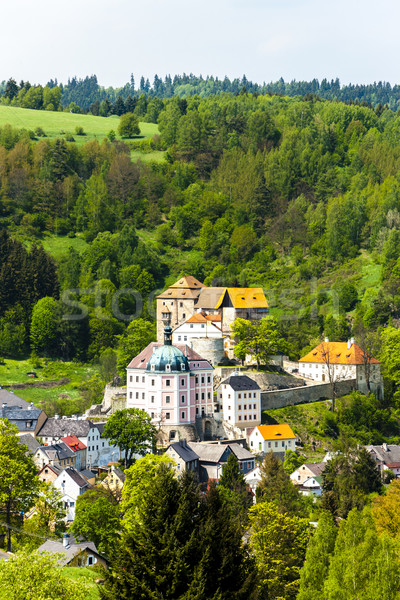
[300, 196]
[88, 95]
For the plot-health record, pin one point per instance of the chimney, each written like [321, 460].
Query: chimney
[352, 340]
[56, 416]
[385, 447]
[30, 406]
[4, 405]
[349, 344]
[326, 340]
[65, 541]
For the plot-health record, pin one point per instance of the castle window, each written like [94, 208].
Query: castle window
[191, 325]
[239, 395]
[240, 407]
[184, 316]
[202, 396]
[179, 338]
[130, 395]
[202, 379]
[130, 378]
[137, 395]
[209, 395]
[153, 367]
[182, 382]
[185, 338]
[137, 378]
[167, 415]
[153, 382]
[142, 395]
[168, 367]
[182, 398]
[182, 415]
[152, 399]
[168, 382]
[183, 367]
[181, 304]
[152, 415]
[209, 379]
[167, 399]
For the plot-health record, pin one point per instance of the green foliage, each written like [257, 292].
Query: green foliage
[348, 479]
[261, 339]
[45, 316]
[181, 546]
[33, 576]
[276, 486]
[318, 555]
[279, 542]
[138, 335]
[292, 461]
[18, 479]
[97, 519]
[132, 431]
[128, 126]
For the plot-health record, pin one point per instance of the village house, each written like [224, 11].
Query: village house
[98, 449]
[185, 459]
[330, 362]
[24, 415]
[253, 478]
[71, 553]
[71, 485]
[304, 472]
[197, 326]
[59, 455]
[79, 450]
[386, 456]
[173, 384]
[114, 480]
[240, 397]
[49, 473]
[311, 487]
[213, 458]
[271, 438]
[28, 440]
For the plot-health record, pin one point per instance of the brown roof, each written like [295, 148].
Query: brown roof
[188, 282]
[186, 287]
[337, 353]
[316, 468]
[209, 297]
[140, 361]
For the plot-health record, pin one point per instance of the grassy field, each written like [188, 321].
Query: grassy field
[15, 371]
[84, 576]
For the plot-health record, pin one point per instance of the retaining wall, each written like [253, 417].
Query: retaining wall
[305, 394]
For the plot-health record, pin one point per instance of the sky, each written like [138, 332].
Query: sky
[354, 40]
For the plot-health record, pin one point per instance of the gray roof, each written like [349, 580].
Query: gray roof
[58, 451]
[29, 441]
[241, 382]
[76, 476]
[87, 473]
[119, 473]
[208, 297]
[63, 427]
[55, 468]
[68, 554]
[25, 419]
[184, 451]
[386, 453]
[12, 399]
[316, 468]
[214, 452]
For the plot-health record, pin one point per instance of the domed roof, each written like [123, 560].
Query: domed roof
[168, 355]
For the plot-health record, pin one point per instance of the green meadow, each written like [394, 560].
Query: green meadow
[61, 124]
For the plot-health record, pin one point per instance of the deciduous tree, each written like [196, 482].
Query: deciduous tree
[131, 430]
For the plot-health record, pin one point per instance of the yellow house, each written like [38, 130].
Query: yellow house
[114, 480]
[272, 438]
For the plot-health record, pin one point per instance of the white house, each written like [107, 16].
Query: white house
[272, 438]
[387, 456]
[59, 455]
[253, 478]
[173, 384]
[240, 397]
[335, 361]
[311, 487]
[198, 326]
[307, 471]
[71, 485]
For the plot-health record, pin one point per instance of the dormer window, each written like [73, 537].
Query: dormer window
[183, 367]
[153, 367]
[168, 368]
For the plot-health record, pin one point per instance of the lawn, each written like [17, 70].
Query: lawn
[58, 124]
[84, 576]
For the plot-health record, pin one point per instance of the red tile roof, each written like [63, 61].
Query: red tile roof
[73, 442]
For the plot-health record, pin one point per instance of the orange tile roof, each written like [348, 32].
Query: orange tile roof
[336, 353]
[197, 318]
[276, 432]
[245, 297]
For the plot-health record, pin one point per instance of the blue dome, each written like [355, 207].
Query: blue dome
[168, 355]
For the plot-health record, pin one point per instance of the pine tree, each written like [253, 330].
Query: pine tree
[276, 486]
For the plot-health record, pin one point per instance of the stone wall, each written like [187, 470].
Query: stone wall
[266, 380]
[212, 349]
[305, 394]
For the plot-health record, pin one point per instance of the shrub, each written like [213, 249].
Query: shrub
[79, 130]
[128, 125]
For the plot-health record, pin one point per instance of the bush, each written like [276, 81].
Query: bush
[79, 130]
[111, 135]
[69, 137]
[39, 132]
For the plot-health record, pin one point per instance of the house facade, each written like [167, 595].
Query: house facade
[25, 416]
[173, 384]
[197, 326]
[386, 456]
[184, 457]
[240, 397]
[307, 471]
[71, 485]
[79, 450]
[271, 438]
[59, 455]
[334, 361]
[213, 458]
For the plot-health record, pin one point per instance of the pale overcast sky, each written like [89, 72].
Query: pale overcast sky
[355, 40]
